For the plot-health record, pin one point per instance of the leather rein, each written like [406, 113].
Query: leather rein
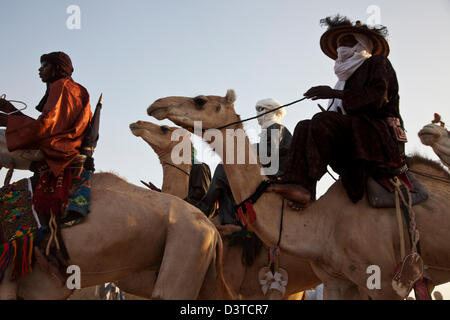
[174, 166]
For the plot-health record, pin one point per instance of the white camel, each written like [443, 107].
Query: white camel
[20, 159]
[438, 137]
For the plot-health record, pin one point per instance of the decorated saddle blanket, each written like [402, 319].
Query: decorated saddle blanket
[22, 227]
[380, 193]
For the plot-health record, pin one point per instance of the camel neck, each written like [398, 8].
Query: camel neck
[244, 178]
[173, 172]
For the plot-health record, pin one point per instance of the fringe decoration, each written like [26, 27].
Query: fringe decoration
[19, 254]
[246, 210]
[240, 216]
[251, 214]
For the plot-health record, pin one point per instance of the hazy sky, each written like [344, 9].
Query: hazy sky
[138, 51]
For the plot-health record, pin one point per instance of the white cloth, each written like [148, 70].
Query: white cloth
[269, 119]
[349, 59]
[273, 281]
[315, 294]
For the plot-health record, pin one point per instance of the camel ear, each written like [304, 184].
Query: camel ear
[230, 97]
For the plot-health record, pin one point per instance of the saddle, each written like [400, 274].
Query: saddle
[380, 194]
[380, 190]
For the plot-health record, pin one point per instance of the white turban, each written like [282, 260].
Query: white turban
[267, 120]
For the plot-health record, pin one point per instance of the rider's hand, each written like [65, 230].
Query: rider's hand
[322, 92]
[6, 106]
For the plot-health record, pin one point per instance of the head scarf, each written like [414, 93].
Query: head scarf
[348, 61]
[61, 62]
[267, 120]
[63, 67]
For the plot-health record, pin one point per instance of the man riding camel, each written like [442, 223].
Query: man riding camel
[362, 128]
[58, 133]
[271, 130]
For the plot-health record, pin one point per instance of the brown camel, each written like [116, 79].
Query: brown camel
[175, 175]
[130, 229]
[437, 137]
[340, 239]
[175, 182]
[242, 278]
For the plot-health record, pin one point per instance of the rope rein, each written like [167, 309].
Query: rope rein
[281, 223]
[3, 96]
[172, 165]
[262, 114]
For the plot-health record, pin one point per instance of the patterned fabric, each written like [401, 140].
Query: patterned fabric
[19, 231]
[78, 207]
[51, 192]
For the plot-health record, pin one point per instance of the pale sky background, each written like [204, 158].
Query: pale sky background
[138, 51]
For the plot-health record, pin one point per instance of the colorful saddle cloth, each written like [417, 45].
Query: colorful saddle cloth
[20, 229]
[20, 224]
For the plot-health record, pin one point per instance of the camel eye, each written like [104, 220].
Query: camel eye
[218, 108]
[164, 129]
[200, 102]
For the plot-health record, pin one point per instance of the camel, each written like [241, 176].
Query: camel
[175, 176]
[437, 137]
[340, 239]
[243, 279]
[130, 229]
[19, 159]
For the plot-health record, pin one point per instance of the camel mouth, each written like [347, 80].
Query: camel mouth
[427, 137]
[136, 129]
[158, 112]
[428, 132]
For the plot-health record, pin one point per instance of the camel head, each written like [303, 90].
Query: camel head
[437, 137]
[212, 111]
[158, 137]
[431, 134]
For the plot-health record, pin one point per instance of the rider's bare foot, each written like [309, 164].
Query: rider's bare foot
[299, 196]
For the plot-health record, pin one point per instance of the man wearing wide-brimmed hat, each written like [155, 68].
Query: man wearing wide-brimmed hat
[361, 128]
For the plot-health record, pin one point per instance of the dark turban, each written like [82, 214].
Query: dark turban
[61, 61]
[63, 67]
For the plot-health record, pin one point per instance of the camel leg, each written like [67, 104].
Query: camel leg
[337, 288]
[340, 289]
[140, 284]
[187, 256]
[8, 287]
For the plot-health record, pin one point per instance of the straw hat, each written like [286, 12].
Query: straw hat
[341, 25]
